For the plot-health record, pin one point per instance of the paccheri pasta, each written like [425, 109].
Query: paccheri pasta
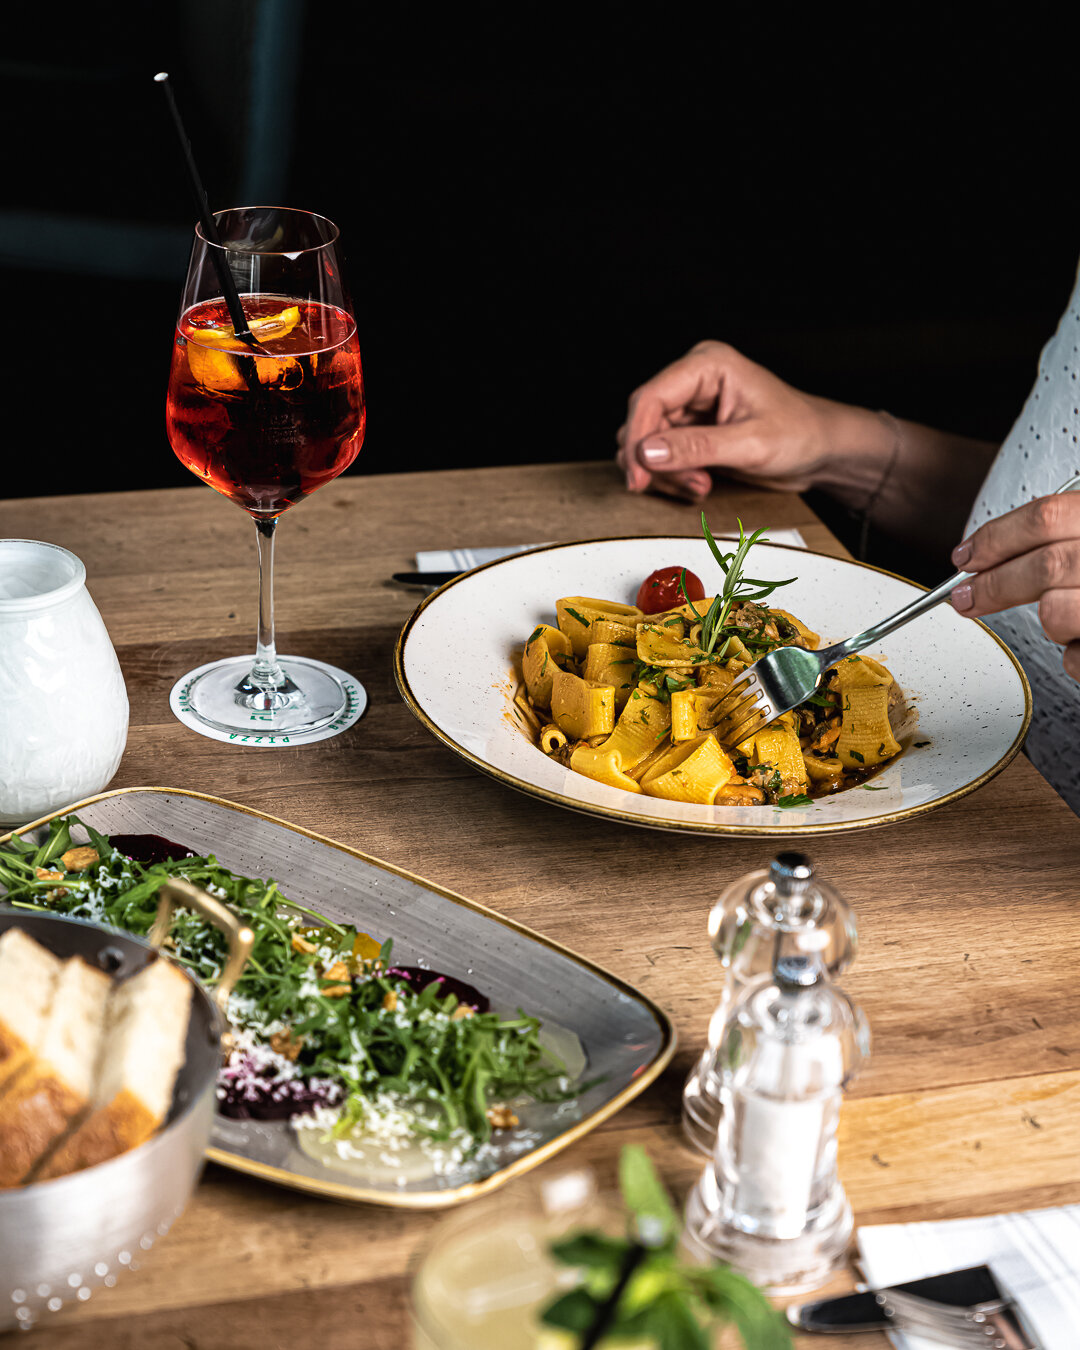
[635, 700]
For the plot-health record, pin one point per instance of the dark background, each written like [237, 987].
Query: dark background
[540, 206]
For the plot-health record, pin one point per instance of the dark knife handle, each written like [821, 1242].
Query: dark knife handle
[423, 578]
[850, 1312]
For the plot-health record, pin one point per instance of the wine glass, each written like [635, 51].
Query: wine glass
[266, 419]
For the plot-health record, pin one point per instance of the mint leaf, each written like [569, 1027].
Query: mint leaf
[646, 1198]
[737, 1300]
[575, 1311]
[594, 1250]
[673, 1326]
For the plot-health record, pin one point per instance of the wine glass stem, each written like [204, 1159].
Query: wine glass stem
[266, 673]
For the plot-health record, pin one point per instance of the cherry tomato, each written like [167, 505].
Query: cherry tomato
[661, 590]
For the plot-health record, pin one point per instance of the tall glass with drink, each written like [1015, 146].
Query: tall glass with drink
[266, 417]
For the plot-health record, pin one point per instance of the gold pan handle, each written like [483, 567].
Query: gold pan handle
[240, 937]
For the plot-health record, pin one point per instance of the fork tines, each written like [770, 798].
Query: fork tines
[976, 1326]
[733, 723]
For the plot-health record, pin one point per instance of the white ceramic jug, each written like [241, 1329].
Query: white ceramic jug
[63, 703]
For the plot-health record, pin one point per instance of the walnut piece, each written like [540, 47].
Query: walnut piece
[390, 1001]
[461, 1012]
[286, 1044]
[79, 859]
[501, 1118]
[338, 971]
[301, 944]
[43, 874]
[336, 990]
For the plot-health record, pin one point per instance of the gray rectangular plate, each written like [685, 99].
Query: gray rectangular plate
[627, 1039]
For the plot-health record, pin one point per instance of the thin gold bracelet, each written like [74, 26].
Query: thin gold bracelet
[868, 510]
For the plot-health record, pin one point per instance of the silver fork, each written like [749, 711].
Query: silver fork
[985, 1326]
[782, 679]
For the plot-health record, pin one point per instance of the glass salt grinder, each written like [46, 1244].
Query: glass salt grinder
[770, 1202]
[755, 920]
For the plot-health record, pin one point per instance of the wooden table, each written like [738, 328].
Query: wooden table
[967, 915]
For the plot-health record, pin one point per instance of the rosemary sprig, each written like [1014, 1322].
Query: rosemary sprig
[737, 589]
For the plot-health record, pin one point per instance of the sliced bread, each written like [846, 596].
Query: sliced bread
[28, 974]
[54, 1086]
[143, 1052]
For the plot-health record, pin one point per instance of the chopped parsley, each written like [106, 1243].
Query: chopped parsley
[796, 799]
[662, 680]
[586, 623]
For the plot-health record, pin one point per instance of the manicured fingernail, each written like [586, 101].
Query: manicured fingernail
[961, 553]
[654, 450]
[962, 597]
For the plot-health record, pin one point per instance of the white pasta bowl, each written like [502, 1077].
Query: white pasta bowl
[968, 701]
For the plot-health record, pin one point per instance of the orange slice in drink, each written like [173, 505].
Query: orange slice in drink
[263, 330]
[212, 366]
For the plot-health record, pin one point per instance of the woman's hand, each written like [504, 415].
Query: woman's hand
[1030, 555]
[714, 408]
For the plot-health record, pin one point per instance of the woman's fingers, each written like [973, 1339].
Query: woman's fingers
[691, 487]
[1046, 520]
[637, 478]
[1059, 614]
[1029, 555]
[679, 449]
[694, 485]
[691, 385]
[1022, 580]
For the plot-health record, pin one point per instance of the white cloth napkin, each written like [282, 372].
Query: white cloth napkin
[461, 559]
[1035, 1256]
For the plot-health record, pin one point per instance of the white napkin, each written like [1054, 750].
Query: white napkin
[1034, 1254]
[461, 559]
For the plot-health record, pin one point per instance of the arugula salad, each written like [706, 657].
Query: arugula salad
[329, 1032]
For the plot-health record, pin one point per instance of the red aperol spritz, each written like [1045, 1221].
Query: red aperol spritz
[266, 429]
[265, 412]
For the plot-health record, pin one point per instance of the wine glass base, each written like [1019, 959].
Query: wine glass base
[317, 701]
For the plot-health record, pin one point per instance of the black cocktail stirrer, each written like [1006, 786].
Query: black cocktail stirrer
[210, 230]
[605, 1314]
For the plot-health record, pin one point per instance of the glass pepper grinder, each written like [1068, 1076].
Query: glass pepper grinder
[770, 1202]
[754, 921]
